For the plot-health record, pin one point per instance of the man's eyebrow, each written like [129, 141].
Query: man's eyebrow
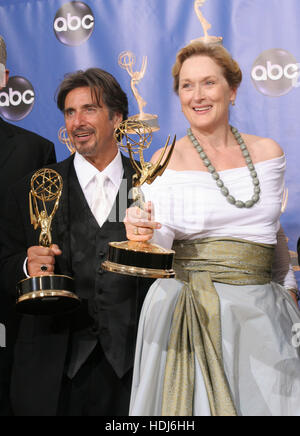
[85, 106]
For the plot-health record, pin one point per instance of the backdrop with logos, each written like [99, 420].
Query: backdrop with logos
[48, 38]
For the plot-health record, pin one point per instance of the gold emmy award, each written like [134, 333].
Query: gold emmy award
[64, 139]
[141, 259]
[205, 25]
[126, 61]
[45, 294]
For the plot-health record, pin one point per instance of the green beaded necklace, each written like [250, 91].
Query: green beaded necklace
[238, 203]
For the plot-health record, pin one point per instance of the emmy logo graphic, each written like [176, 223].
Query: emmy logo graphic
[126, 61]
[64, 139]
[205, 25]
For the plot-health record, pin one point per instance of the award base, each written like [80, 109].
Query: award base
[218, 40]
[47, 295]
[133, 259]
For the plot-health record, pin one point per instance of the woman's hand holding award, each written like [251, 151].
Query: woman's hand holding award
[141, 259]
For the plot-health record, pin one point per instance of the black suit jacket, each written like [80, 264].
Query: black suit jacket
[21, 152]
[43, 341]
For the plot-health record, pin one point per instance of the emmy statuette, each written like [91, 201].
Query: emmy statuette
[208, 39]
[141, 259]
[64, 139]
[45, 294]
[126, 61]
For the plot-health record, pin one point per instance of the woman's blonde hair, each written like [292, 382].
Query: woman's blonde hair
[218, 53]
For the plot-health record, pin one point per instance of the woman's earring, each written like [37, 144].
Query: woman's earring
[233, 103]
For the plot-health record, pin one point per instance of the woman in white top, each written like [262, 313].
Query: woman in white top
[217, 340]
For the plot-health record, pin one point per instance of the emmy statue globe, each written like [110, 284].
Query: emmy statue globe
[45, 294]
[64, 139]
[141, 259]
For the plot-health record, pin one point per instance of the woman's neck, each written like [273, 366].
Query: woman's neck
[218, 138]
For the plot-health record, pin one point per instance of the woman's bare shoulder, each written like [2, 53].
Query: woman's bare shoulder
[262, 148]
[175, 155]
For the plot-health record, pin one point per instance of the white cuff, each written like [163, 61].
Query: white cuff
[25, 268]
[283, 272]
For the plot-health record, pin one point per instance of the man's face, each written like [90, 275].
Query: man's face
[89, 125]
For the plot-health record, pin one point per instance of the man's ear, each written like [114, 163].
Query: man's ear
[117, 119]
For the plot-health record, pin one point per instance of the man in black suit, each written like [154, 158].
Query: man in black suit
[21, 152]
[79, 364]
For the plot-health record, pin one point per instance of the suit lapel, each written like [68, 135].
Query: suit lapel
[128, 174]
[60, 228]
[122, 201]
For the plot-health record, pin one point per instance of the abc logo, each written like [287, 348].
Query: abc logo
[17, 99]
[275, 72]
[74, 23]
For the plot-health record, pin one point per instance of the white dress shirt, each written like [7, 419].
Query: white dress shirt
[87, 174]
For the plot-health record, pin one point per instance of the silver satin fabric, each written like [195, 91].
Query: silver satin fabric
[261, 363]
